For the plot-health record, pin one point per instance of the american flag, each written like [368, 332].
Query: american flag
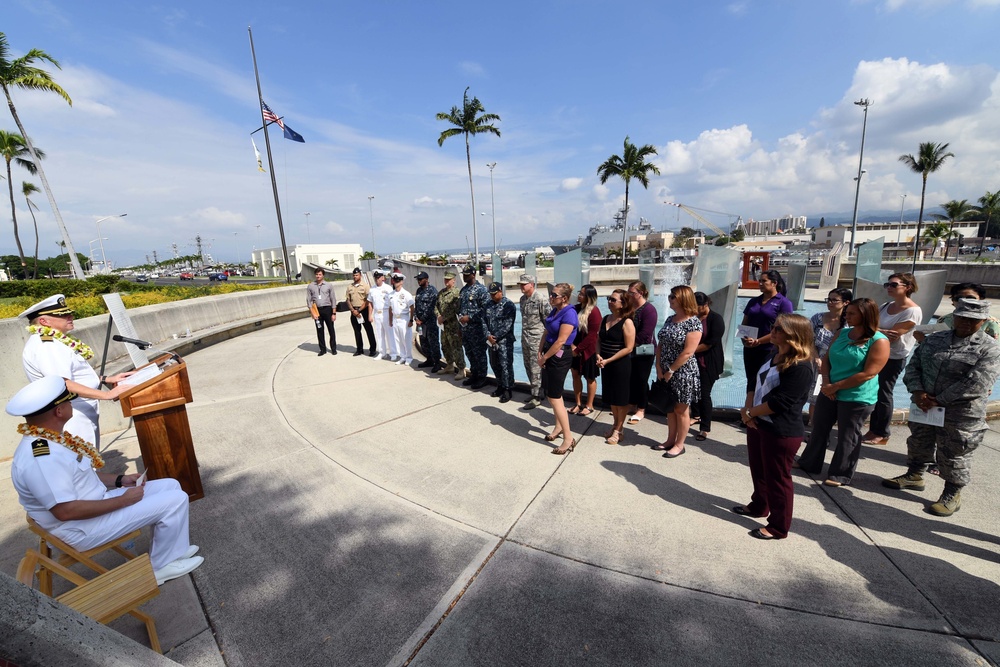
[269, 116]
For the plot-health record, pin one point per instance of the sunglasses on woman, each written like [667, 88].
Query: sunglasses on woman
[894, 285]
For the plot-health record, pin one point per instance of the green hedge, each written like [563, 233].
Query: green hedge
[39, 289]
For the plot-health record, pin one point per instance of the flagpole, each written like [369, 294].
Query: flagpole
[270, 162]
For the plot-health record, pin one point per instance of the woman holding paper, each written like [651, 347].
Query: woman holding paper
[773, 417]
[848, 393]
[758, 318]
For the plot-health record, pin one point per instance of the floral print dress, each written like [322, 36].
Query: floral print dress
[685, 382]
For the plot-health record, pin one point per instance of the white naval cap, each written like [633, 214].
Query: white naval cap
[54, 305]
[39, 396]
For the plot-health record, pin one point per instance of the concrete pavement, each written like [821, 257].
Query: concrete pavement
[363, 513]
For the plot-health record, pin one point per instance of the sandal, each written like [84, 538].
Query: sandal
[552, 436]
[585, 411]
[660, 448]
[876, 440]
[575, 410]
[635, 419]
[702, 436]
[614, 439]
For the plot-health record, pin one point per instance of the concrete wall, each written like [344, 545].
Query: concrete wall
[211, 320]
[37, 631]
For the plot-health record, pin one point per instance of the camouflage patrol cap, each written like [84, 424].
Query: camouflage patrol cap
[449, 275]
[972, 309]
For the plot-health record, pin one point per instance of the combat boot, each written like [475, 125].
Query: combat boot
[913, 479]
[437, 368]
[497, 392]
[949, 502]
[461, 374]
[449, 369]
[506, 396]
[425, 364]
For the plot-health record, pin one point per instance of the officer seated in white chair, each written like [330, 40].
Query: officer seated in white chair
[58, 484]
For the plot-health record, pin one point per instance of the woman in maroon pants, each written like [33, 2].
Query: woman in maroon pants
[773, 415]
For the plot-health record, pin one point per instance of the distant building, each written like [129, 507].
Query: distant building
[316, 254]
[776, 225]
[892, 232]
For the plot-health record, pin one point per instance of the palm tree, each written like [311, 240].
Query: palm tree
[631, 164]
[277, 265]
[929, 159]
[13, 149]
[954, 210]
[470, 119]
[989, 205]
[935, 233]
[21, 73]
[332, 263]
[26, 190]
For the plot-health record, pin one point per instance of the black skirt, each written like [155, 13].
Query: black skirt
[554, 373]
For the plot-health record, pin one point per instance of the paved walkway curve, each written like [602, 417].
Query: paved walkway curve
[363, 513]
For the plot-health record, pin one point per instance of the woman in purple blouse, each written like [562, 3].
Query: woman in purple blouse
[555, 355]
[761, 313]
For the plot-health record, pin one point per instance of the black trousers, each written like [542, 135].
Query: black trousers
[369, 331]
[704, 406]
[326, 316]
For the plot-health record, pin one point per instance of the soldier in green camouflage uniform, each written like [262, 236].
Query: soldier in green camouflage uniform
[451, 334]
[534, 309]
[955, 370]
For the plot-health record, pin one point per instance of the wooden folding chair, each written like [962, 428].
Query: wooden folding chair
[109, 596]
[69, 555]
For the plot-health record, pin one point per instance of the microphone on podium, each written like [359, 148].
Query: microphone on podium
[141, 344]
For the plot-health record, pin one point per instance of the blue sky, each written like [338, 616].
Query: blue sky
[750, 105]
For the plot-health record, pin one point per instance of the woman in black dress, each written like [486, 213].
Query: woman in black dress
[617, 338]
[710, 359]
[642, 357]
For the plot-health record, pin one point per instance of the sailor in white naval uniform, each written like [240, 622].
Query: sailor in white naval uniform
[50, 350]
[55, 474]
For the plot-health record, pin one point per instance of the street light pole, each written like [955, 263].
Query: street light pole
[864, 104]
[308, 239]
[371, 218]
[493, 206]
[104, 258]
[236, 238]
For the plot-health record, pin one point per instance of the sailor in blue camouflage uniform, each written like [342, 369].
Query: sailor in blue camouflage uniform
[500, 316]
[472, 303]
[430, 341]
[954, 370]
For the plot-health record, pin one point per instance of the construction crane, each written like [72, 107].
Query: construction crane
[690, 210]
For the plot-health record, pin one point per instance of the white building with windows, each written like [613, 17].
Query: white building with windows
[269, 260]
[892, 232]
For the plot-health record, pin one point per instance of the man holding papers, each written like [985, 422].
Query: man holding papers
[954, 370]
[52, 351]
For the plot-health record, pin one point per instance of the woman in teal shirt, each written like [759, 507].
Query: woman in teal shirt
[848, 392]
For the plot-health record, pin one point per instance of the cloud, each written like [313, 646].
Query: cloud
[472, 68]
[427, 202]
[737, 8]
[568, 184]
[334, 228]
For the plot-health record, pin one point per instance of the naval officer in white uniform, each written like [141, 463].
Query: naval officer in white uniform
[52, 351]
[56, 477]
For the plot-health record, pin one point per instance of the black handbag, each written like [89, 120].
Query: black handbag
[662, 396]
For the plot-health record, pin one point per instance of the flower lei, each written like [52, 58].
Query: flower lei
[74, 344]
[67, 440]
